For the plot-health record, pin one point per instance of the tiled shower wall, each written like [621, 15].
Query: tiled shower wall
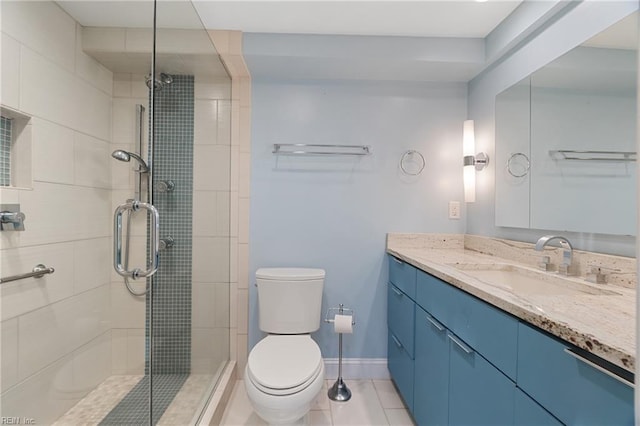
[56, 338]
[210, 227]
[229, 47]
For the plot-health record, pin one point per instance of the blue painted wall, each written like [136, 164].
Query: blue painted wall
[334, 212]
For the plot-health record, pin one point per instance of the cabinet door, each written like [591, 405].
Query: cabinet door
[401, 317]
[572, 390]
[431, 385]
[400, 367]
[479, 394]
[529, 413]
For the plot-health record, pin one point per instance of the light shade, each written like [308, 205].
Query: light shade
[469, 171]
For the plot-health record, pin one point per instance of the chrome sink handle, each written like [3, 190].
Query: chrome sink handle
[567, 251]
[154, 238]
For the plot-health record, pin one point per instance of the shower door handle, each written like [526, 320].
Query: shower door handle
[154, 238]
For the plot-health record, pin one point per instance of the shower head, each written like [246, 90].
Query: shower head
[121, 155]
[160, 82]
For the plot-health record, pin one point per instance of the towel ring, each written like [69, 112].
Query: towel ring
[510, 163]
[408, 154]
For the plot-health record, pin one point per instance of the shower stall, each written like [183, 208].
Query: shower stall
[119, 153]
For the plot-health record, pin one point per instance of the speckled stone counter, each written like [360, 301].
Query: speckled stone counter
[603, 324]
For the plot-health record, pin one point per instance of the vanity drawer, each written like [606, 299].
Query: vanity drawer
[403, 276]
[569, 388]
[401, 368]
[401, 317]
[491, 332]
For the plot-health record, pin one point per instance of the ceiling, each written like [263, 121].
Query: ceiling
[451, 18]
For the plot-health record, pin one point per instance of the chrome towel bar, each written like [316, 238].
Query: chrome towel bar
[311, 149]
[38, 271]
[611, 156]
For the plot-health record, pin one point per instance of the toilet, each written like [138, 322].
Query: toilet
[285, 371]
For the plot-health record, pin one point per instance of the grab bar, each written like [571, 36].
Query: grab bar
[38, 271]
[154, 238]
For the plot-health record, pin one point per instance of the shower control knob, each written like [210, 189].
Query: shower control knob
[166, 243]
[165, 186]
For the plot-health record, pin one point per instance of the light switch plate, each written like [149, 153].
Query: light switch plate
[454, 209]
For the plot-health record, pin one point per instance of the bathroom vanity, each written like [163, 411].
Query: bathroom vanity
[478, 335]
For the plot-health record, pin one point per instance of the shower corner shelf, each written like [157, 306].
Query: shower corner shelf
[318, 149]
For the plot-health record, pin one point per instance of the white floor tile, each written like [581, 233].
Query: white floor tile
[239, 410]
[363, 408]
[320, 418]
[398, 417]
[387, 394]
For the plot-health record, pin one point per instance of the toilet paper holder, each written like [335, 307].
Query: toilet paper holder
[339, 391]
[341, 310]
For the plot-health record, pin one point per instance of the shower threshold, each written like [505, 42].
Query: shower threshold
[98, 404]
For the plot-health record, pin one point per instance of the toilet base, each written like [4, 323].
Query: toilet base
[284, 410]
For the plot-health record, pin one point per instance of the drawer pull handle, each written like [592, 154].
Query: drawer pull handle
[397, 261]
[458, 342]
[435, 323]
[599, 368]
[395, 339]
[397, 292]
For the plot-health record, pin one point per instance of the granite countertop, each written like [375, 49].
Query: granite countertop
[603, 324]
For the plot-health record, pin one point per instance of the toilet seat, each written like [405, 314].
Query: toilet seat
[284, 364]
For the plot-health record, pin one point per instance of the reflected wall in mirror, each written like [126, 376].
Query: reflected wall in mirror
[566, 136]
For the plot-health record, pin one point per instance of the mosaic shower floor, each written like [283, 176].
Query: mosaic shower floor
[97, 405]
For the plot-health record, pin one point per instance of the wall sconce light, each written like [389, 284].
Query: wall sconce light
[472, 162]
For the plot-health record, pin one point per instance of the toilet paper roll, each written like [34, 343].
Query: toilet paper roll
[343, 324]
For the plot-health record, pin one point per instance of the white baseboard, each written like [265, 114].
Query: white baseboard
[357, 368]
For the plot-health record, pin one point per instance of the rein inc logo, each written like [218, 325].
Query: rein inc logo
[17, 421]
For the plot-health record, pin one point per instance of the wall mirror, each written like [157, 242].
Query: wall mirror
[566, 140]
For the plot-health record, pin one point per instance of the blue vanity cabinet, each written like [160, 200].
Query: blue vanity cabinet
[431, 387]
[530, 413]
[400, 323]
[479, 393]
[568, 387]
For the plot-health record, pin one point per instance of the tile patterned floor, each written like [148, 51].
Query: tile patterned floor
[373, 403]
[93, 408]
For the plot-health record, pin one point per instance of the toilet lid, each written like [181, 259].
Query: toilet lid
[284, 361]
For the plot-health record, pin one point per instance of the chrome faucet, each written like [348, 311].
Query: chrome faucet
[567, 252]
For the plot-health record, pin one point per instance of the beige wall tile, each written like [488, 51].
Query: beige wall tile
[53, 152]
[103, 39]
[9, 354]
[135, 351]
[233, 260]
[92, 364]
[20, 297]
[211, 167]
[92, 263]
[10, 71]
[118, 351]
[244, 130]
[245, 175]
[245, 92]
[51, 332]
[243, 266]
[205, 122]
[92, 161]
[56, 30]
[233, 306]
[211, 259]
[243, 310]
[242, 352]
[51, 388]
[224, 122]
[219, 88]
[91, 70]
[127, 311]
[203, 303]
[243, 221]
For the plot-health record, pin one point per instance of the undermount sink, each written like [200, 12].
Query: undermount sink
[520, 280]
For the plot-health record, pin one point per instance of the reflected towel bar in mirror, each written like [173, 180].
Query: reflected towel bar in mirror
[593, 155]
[311, 149]
[38, 271]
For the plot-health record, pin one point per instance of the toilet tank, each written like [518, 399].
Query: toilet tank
[289, 299]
